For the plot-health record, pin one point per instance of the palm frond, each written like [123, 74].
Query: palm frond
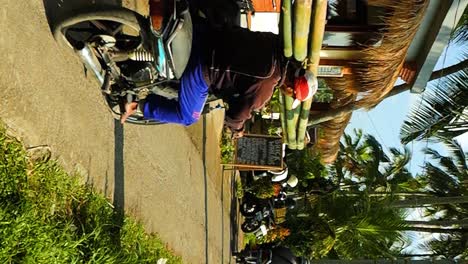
[441, 112]
[370, 232]
[399, 160]
[458, 156]
[447, 163]
[460, 35]
[439, 180]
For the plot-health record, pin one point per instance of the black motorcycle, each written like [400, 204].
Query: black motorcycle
[258, 214]
[269, 255]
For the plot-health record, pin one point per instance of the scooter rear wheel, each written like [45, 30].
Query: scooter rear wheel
[250, 225]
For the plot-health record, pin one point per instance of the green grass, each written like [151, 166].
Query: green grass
[47, 216]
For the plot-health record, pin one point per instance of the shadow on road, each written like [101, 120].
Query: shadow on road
[205, 179]
[57, 10]
[119, 180]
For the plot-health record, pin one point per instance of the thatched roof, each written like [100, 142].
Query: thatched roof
[375, 74]
[329, 135]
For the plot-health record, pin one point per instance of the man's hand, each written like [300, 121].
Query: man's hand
[288, 91]
[130, 109]
[237, 134]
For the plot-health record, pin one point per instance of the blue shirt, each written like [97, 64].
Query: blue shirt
[192, 97]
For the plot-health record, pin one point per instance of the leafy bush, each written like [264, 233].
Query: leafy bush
[263, 188]
[324, 93]
[276, 234]
[227, 148]
[310, 237]
[305, 166]
[46, 216]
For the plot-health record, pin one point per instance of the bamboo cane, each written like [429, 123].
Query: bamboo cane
[302, 13]
[287, 28]
[316, 36]
[301, 128]
[283, 117]
[292, 115]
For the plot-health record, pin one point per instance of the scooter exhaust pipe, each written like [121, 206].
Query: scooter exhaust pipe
[90, 60]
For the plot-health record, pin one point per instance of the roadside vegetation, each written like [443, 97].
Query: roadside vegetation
[47, 216]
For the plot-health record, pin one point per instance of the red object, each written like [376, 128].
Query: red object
[267, 5]
[305, 86]
[301, 88]
[157, 13]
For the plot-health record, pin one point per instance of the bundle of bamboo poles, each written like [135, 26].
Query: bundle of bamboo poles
[303, 26]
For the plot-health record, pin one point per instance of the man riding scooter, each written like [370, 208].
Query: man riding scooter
[237, 65]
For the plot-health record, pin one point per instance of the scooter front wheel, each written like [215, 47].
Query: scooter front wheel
[249, 208]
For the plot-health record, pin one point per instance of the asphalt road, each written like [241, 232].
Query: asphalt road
[156, 173]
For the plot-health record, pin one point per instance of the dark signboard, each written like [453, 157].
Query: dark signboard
[259, 152]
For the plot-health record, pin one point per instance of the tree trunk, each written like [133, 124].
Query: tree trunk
[419, 255]
[434, 230]
[317, 118]
[398, 194]
[381, 261]
[417, 202]
[439, 224]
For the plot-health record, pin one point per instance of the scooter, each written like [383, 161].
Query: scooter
[269, 255]
[258, 215]
[131, 56]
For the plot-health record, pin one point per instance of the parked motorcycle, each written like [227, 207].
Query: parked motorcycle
[269, 255]
[128, 55]
[258, 214]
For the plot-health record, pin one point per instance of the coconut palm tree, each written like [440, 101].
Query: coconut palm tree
[455, 245]
[363, 165]
[448, 178]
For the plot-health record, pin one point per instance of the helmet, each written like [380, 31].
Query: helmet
[292, 181]
[305, 86]
[278, 176]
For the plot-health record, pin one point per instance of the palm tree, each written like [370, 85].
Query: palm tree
[447, 178]
[365, 228]
[365, 216]
[455, 245]
[442, 113]
[362, 164]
